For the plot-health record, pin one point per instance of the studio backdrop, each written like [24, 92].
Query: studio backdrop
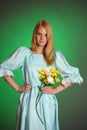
[69, 23]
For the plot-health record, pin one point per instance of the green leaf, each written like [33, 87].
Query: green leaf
[59, 83]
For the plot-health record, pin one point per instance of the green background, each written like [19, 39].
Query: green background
[69, 22]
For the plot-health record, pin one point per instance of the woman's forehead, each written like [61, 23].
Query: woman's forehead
[41, 29]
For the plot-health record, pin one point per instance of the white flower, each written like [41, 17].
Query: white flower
[50, 80]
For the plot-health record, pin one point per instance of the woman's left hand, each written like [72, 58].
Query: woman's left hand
[49, 90]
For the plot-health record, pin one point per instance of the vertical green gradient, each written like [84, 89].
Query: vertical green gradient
[69, 23]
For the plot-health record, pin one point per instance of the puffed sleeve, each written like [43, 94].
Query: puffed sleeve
[69, 73]
[13, 62]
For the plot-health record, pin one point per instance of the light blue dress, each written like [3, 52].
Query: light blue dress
[27, 118]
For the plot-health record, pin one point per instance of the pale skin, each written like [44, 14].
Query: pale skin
[41, 39]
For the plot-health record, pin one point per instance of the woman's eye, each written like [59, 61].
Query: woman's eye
[38, 33]
[45, 35]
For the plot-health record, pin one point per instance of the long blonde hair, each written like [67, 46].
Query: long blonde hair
[49, 48]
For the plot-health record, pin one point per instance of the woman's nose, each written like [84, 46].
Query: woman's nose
[42, 37]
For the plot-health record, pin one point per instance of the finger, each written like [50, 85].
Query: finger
[44, 88]
[28, 88]
[45, 91]
[28, 85]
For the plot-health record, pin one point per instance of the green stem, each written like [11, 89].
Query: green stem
[37, 101]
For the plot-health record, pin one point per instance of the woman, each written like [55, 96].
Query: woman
[41, 55]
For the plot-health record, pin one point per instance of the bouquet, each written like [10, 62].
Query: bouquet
[48, 77]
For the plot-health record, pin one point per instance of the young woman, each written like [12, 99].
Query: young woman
[40, 55]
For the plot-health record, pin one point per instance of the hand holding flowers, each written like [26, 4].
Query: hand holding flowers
[49, 90]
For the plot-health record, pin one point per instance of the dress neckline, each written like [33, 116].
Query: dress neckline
[35, 53]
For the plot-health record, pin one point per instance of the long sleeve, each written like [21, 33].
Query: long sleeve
[69, 73]
[13, 62]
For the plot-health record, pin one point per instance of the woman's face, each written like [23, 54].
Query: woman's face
[41, 37]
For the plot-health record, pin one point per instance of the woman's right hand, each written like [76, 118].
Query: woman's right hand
[24, 88]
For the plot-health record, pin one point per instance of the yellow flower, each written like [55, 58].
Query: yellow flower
[40, 77]
[42, 71]
[57, 80]
[53, 70]
[54, 74]
[45, 81]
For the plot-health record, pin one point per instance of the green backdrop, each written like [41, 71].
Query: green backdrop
[69, 22]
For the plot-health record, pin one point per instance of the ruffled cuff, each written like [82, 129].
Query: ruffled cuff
[73, 77]
[4, 72]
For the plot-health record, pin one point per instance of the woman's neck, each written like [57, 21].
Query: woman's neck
[39, 50]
